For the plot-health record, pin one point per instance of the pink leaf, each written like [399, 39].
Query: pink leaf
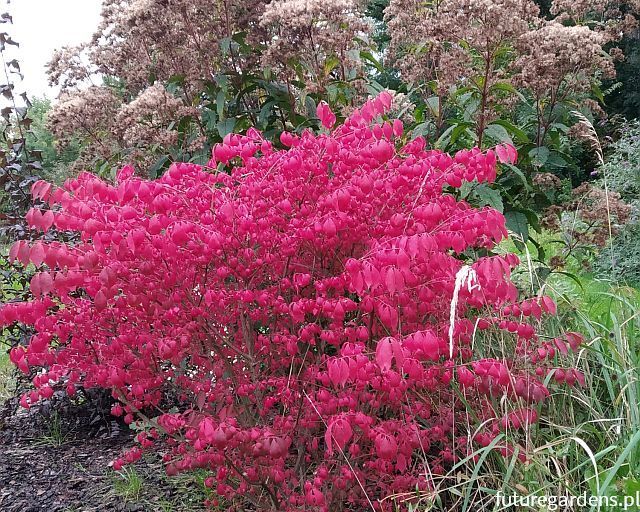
[46, 282]
[35, 285]
[384, 353]
[562, 346]
[341, 431]
[506, 153]
[338, 370]
[125, 173]
[398, 128]
[36, 255]
[15, 249]
[390, 279]
[326, 116]
[40, 189]
[548, 305]
[328, 439]
[47, 220]
[386, 446]
[100, 300]
[386, 99]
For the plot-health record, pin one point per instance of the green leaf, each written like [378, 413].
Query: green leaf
[434, 105]
[368, 56]
[520, 175]
[571, 276]
[465, 189]
[225, 44]
[532, 218]
[174, 83]
[421, 130]
[332, 93]
[541, 274]
[443, 140]
[265, 112]
[310, 106]
[156, 168]
[611, 474]
[556, 160]
[561, 127]
[597, 92]
[209, 118]
[220, 103]
[631, 486]
[374, 87]
[226, 127]
[331, 63]
[518, 133]
[498, 133]
[539, 156]
[507, 87]
[453, 133]
[488, 196]
[518, 223]
[541, 256]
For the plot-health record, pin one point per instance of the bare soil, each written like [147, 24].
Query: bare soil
[55, 458]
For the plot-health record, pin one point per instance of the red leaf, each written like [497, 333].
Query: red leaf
[36, 255]
[548, 305]
[35, 285]
[47, 220]
[40, 189]
[562, 346]
[326, 116]
[574, 339]
[580, 377]
[386, 446]
[384, 353]
[338, 370]
[15, 249]
[390, 279]
[46, 282]
[100, 300]
[340, 431]
[125, 173]
[506, 153]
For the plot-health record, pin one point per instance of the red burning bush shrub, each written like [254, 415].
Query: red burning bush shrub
[301, 322]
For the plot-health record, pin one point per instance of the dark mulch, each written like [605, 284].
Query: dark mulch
[56, 459]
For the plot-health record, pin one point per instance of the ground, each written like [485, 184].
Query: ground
[59, 462]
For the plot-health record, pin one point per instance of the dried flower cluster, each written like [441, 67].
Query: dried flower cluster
[430, 39]
[591, 218]
[147, 43]
[492, 45]
[161, 38]
[90, 112]
[613, 18]
[68, 68]
[145, 120]
[556, 55]
[546, 180]
[107, 125]
[315, 34]
[310, 308]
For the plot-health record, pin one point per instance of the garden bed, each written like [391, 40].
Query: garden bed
[61, 464]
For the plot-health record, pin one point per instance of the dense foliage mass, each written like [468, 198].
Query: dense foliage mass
[323, 326]
[472, 72]
[464, 74]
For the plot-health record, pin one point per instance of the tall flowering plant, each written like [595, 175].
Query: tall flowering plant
[309, 324]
